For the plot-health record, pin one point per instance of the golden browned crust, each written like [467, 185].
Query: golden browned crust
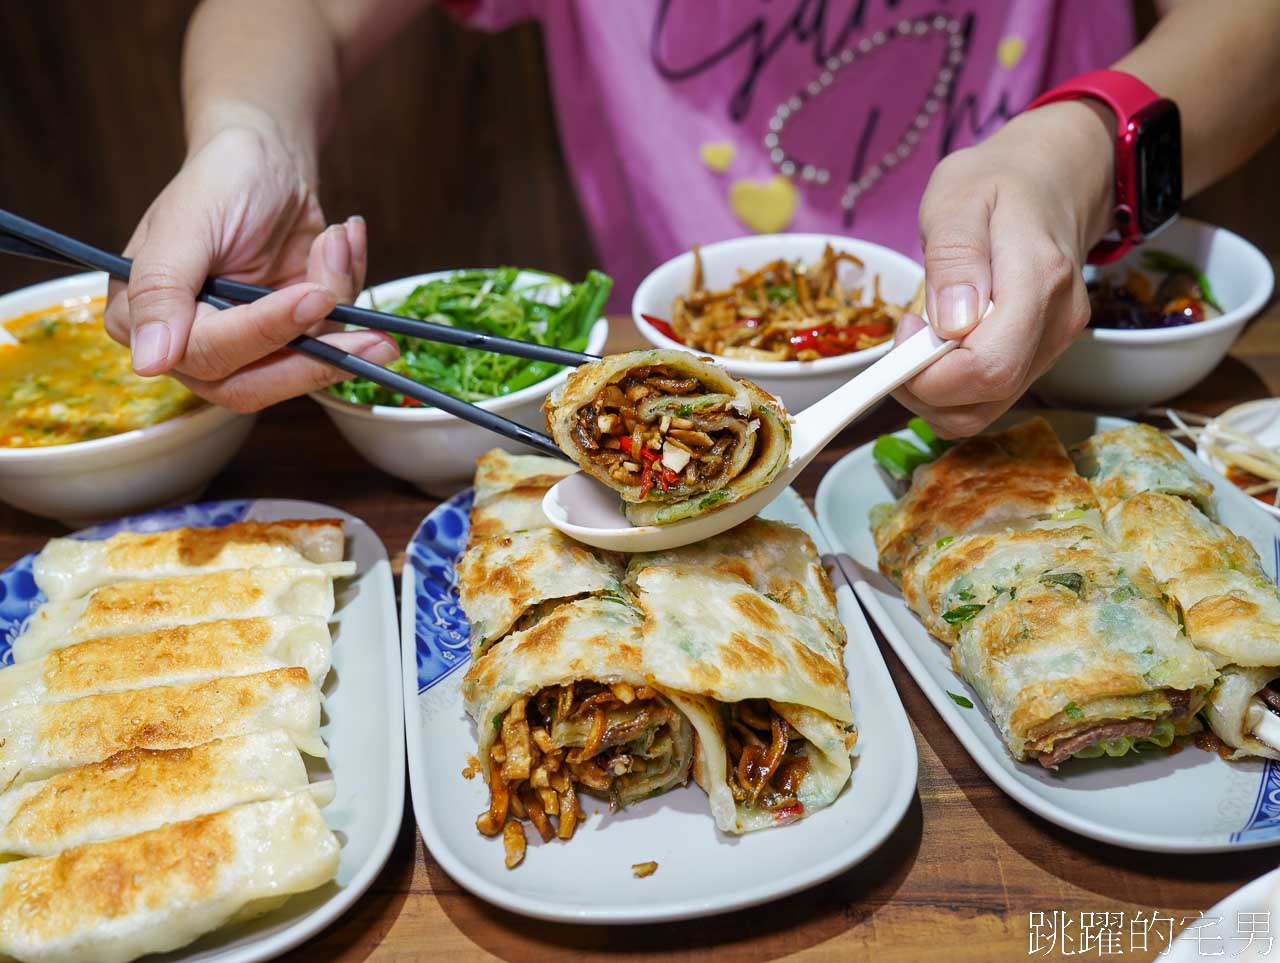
[195, 547]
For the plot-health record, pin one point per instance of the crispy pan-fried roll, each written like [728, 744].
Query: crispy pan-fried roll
[774, 721]
[1139, 458]
[675, 435]
[1020, 478]
[71, 567]
[141, 789]
[41, 740]
[155, 891]
[510, 582]
[945, 586]
[776, 559]
[1081, 660]
[131, 607]
[1230, 607]
[509, 492]
[185, 653]
[565, 707]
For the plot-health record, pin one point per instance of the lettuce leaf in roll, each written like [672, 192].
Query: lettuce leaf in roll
[675, 435]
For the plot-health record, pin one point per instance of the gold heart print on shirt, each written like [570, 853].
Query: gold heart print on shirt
[765, 207]
[718, 155]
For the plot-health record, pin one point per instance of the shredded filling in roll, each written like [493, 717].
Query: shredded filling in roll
[618, 741]
[655, 429]
[1269, 695]
[1115, 737]
[767, 759]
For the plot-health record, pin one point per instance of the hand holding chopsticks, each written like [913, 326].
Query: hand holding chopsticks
[24, 238]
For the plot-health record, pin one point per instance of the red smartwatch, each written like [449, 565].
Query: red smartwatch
[1148, 188]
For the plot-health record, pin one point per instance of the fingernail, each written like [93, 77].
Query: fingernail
[337, 251]
[957, 309]
[314, 306]
[355, 220]
[150, 346]
[379, 350]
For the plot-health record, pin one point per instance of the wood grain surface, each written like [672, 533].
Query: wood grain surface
[956, 880]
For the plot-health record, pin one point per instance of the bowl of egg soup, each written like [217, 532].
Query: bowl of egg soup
[84, 438]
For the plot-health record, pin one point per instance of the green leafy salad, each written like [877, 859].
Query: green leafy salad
[546, 310]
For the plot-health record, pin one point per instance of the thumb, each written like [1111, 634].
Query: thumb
[169, 268]
[957, 264]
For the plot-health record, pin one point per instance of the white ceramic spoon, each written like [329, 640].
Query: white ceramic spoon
[589, 512]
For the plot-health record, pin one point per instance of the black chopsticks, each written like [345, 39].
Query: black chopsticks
[23, 238]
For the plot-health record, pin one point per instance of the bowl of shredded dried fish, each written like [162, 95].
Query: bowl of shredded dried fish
[797, 314]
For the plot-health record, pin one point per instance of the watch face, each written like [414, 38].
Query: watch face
[1158, 156]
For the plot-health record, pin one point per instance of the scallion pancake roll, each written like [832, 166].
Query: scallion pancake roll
[509, 490]
[947, 586]
[509, 582]
[1009, 480]
[776, 559]
[566, 708]
[675, 435]
[774, 720]
[1082, 660]
[1139, 458]
[1230, 607]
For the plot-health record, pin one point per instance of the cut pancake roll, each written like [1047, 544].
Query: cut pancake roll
[1082, 659]
[509, 582]
[1226, 600]
[776, 559]
[71, 567]
[131, 607]
[1139, 458]
[675, 435]
[509, 490]
[183, 654]
[38, 741]
[1015, 479]
[159, 890]
[564, 708]
[140, 789]
[766, 689]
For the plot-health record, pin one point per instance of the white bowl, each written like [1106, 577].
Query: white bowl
[1126, 371]
[798, 383]
[426, 446]
[88, 481]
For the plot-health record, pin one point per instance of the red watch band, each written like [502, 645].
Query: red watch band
[1127, 96]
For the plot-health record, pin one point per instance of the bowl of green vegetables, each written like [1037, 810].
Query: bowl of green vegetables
[432, 449]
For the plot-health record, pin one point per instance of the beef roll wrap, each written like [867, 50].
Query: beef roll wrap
[1079, 656]
[675, 435]
[763, 685]
[1139, 458]
[565, 708]
[1230, 606]
[1008, 480]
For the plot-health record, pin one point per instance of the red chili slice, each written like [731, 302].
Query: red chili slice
[664, 327]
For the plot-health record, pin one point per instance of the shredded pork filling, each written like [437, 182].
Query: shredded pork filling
[617, 741]
[767, 758]
[1103, 729]
[633, 432]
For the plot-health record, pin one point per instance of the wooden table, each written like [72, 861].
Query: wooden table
[958, 879]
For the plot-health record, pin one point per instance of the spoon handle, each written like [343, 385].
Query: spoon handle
[824, 419]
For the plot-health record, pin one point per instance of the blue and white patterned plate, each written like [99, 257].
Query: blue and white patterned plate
[1220, 805]
[589, 879]
[363, 722]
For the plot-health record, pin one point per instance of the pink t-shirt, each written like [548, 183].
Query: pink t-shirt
[691, 121]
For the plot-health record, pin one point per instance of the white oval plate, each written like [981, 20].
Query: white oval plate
[1221, 931]
[363, 721]
[589, 880]
[1220, 805]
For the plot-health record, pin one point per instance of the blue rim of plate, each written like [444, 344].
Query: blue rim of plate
[20, 597]
[440, 629]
